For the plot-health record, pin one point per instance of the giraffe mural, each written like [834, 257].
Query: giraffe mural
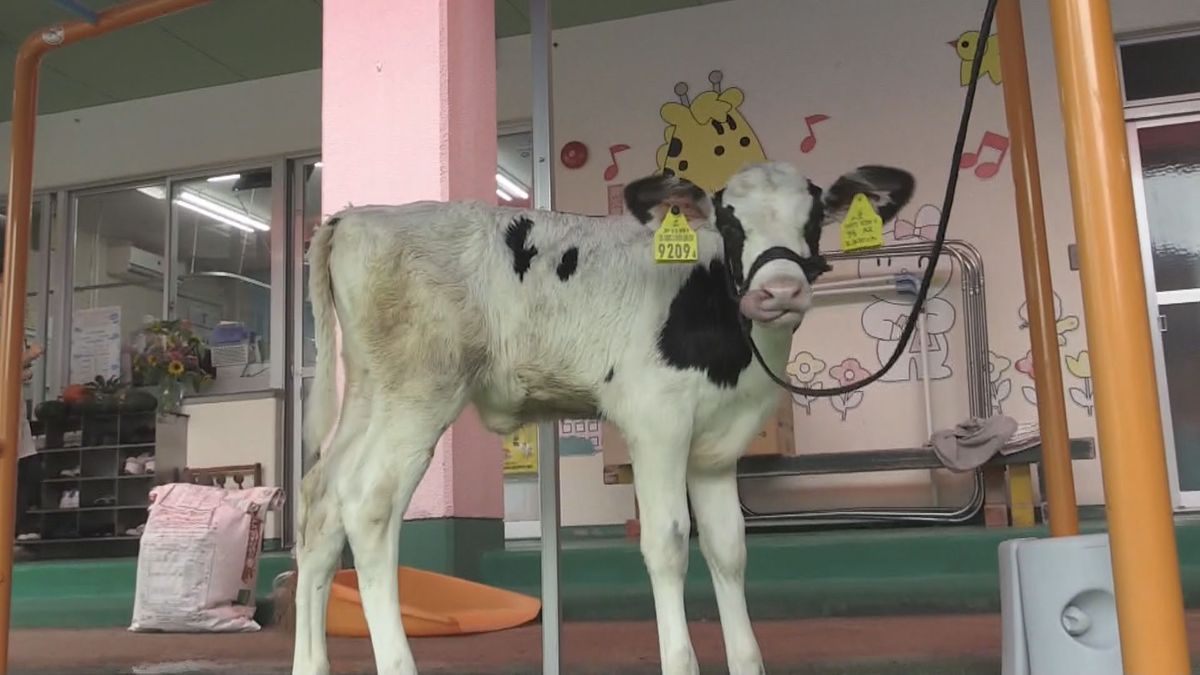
[707, 138]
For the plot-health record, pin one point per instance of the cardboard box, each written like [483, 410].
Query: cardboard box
[777, 437]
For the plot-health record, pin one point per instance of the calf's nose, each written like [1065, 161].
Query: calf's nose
[782, 288]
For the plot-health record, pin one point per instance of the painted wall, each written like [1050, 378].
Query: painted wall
[890, 91]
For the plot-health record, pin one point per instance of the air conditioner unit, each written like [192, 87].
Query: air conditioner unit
[126, 261]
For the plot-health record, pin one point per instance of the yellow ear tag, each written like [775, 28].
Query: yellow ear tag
[675, 241]
[862, 228]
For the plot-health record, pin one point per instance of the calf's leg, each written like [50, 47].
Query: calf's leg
[321, 537]
[394, 456]
[722, 530]
[659, 455]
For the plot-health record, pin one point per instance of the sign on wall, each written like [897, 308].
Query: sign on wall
[95, 344]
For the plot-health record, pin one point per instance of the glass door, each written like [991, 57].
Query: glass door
[306, 215]
[1165, 159]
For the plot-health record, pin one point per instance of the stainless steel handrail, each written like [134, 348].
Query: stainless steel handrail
[970, 265]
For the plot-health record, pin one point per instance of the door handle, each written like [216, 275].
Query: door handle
[1162, 323]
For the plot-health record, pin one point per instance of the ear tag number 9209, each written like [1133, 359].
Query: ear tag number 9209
[675, 241]
[862, 228]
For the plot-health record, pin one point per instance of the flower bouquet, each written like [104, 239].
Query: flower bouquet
[169, 362]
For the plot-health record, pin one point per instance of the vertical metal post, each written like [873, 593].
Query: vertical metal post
[1145, 560]
[543, 198]
[1035, 263]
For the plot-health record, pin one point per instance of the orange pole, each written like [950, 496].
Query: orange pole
[1035, 264]
[1145, 562]
[20, 201]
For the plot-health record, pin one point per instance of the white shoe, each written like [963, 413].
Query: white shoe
[69, 499]
[29, 536]
[69, 473]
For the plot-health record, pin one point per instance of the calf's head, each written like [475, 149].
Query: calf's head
[765, 208]
[770, 206]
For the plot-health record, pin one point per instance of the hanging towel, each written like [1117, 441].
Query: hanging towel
[970, 444]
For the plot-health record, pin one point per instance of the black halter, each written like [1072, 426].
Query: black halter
[813, 268]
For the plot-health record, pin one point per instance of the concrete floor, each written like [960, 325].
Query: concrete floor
[930, 645]
[952, 644]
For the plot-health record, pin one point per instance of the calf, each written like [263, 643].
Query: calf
[531, 315]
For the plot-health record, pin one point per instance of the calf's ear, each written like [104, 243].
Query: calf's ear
[888, 188]
[648, 198]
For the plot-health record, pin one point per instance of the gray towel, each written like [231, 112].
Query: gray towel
[970, 444]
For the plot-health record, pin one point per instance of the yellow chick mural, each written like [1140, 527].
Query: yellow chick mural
[966, 44]
[707, 139]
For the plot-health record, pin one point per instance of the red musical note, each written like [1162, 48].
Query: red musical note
[986, 170]
[810, 141]
[611, 171]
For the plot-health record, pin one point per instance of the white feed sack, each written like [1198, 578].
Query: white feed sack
[198, 563]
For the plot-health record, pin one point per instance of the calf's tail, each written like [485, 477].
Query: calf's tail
[322, 410]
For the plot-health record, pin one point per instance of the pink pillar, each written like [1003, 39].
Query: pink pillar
[408, 110]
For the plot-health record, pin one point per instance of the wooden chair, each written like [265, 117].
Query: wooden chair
[222, 476]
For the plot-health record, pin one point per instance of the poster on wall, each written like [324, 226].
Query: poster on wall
[95, 344]
[521, 451]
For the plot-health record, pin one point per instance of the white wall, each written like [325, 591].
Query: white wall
[229, 433]
[889, 84]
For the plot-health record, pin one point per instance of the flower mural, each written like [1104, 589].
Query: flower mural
[1080, 366]
[999, 386]
[846, 373]
[804, 369]
[1063, 323]
[1025, 367]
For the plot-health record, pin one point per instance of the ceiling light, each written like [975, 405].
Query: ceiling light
[229, 214]
[155, 191]
[503, 195]
[211, 214]
[319, 164]
[511, 186]
[225, 179]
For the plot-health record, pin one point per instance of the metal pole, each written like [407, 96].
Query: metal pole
[543, 198]
[1145, 561]
[1035, 263]
[16, 250]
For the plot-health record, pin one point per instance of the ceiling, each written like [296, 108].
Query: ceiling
[221, 43]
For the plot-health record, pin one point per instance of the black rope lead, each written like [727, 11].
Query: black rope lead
[910, 325]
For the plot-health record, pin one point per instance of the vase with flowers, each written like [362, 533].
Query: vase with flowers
[168, 362]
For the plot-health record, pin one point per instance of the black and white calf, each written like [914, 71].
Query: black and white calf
[531, 315]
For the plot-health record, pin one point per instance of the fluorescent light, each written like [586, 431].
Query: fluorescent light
[225, 179]
[319, 164]
[511, 186]
[503, 195]
[228, 213]
[215, 216]
[155, 191]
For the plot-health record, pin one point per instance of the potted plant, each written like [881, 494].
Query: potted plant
[168, 363]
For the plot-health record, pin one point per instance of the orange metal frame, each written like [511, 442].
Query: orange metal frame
[20, 199]
[1145, 563]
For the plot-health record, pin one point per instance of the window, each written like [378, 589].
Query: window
[117, 275]
[1161, 68]
[35, 288]
[223, 266]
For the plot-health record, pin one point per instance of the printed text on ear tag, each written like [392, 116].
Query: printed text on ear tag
[675, 241]
[862, 228]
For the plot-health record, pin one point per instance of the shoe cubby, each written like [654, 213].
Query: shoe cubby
[96, 485]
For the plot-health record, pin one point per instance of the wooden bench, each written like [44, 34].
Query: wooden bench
[222, 476]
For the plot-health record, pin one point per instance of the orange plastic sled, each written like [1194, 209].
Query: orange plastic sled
[431, 605]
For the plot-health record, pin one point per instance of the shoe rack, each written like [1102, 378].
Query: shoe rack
[96, 486]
